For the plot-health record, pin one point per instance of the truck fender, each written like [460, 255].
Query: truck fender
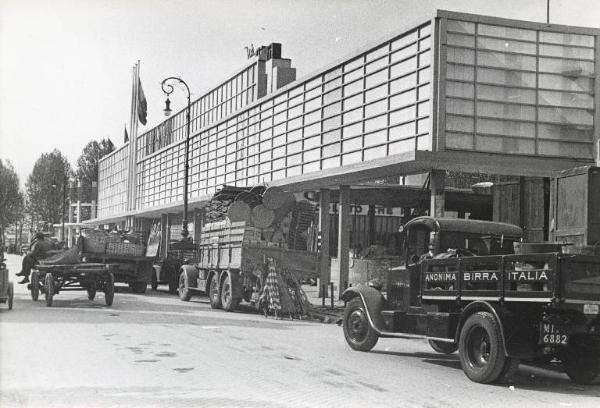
[191, 273]
[373, 301]
[483, 306]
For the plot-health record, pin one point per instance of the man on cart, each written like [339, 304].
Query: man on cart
[37, 250]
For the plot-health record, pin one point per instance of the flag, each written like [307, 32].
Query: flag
[142, 104]
[125, 136]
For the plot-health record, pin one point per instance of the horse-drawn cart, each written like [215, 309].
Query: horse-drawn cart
[91, 277]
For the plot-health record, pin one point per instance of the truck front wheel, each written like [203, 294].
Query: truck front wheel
[482, 354]
[581, 360]
[358, 332]
[184, 292]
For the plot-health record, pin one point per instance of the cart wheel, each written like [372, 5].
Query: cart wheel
[35, 286]
[184, 292]
[154, 280]
[11, 294]
[109, 289]
[49, 284]
[91, 291]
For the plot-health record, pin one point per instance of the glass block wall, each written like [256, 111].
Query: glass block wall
[374, 105]
[112, 182]
[237, 92]
[519, 91]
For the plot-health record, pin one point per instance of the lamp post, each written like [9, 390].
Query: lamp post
[63, 205]
[167, 87]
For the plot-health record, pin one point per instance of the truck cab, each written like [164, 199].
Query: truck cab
[463, 288]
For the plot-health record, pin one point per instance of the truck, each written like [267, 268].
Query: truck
[230, 265]
[471, 292]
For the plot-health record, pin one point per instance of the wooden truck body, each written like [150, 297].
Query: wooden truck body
[495, 307]
[230, 265]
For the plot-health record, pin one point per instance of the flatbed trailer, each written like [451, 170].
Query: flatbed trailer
[135, 270]
[91, 277]
[496, 310]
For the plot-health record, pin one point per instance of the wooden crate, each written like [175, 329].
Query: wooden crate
[575, 206]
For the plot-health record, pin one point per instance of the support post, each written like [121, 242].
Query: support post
[371, 221]
[344, 238]
[324, 261]
[164, 236]
[438, 183]
[198, 223]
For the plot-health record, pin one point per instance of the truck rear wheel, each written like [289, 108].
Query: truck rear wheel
[358, 332]
[482, 354]
[581, 360]
[442, 347]
[214, 294]
[228, 302]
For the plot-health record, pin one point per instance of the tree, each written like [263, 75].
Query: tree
[11, 198]
[87, 165]
[45, 186]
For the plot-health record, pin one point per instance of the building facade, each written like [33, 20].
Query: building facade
[457, 92]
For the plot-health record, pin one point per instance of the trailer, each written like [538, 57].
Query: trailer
[135, 270]
[231, 265]
[51, 279]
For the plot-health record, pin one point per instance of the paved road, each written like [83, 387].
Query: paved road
[156, 351]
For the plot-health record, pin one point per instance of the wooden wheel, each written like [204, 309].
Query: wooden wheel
[49, 289]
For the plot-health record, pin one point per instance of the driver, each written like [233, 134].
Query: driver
[37, 250]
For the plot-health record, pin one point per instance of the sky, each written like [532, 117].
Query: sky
[66, 65]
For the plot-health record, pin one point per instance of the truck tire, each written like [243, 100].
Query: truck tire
[481, 350]
[214, 294]
[442, 347]
[35, 286]
[49, 284]
[228, 302]
[581, 360]
[109, 290]
[138, 287]
[358, 332]
[185, 293]
[91, 291]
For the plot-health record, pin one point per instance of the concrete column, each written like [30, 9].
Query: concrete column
[324, 259]
[78, 211]
[344, 222]
[164, 237]
[371, 223]
[70, 237]
[438, 183]
[198, 223]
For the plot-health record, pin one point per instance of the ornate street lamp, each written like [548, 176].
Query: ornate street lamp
[167, 87]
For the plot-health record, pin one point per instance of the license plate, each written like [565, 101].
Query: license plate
[550, 334]
[591, 309]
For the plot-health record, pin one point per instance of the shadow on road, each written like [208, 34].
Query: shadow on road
[528, 377]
